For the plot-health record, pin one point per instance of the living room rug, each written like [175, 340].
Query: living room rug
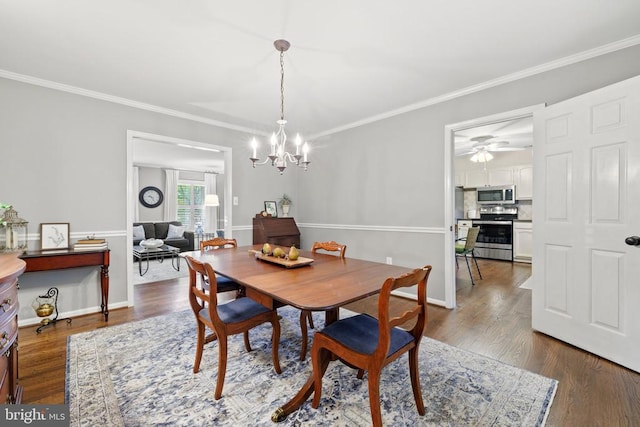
[158, 271]
[140, 374]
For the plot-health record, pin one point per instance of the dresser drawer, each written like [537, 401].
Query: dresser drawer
[8, 333]
[8, 301]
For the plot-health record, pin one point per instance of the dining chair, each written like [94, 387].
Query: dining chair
[369, 344]
[224, 283]
[234, 317]
[466, 246]
[305, 315]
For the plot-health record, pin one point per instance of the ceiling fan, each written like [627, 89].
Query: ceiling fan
[491, 143]
[483, 145]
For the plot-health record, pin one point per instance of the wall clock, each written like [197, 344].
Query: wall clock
[151, 197]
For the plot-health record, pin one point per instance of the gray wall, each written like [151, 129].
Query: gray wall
[377, 188]
[64, 160]
[390, 174]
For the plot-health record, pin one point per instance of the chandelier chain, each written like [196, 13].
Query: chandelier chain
[281, 84]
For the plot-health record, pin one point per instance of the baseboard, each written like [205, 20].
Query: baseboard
[75, 313]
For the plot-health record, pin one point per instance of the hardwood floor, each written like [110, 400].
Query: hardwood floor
[493, 318]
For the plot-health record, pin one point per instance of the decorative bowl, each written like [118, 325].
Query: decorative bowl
[152, 243]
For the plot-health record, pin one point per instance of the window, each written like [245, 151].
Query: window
[191, 208]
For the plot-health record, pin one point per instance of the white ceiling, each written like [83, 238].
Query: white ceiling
[350, 61]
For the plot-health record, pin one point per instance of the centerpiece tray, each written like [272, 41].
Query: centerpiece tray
[284, 262]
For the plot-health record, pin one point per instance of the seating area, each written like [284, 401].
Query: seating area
[465, 247]
[369, 344]
[172, 233]
[235, 317]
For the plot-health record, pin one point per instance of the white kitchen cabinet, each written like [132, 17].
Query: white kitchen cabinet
[475, 179]
[460, 179]
[500, 176]
[522, 241]
[524, 182]
[463, 228]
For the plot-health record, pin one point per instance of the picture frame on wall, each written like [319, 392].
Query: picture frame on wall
[54, 235]
[271, 208]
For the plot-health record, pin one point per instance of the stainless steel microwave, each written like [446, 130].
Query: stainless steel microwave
[502, 195]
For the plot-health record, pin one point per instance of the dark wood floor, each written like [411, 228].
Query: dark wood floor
[493, 318]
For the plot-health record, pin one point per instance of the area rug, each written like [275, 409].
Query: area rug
[158, 271]
[140, 374]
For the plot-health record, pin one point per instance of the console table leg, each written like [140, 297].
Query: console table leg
[104, 285]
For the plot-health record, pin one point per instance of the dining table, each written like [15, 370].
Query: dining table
[322, 283]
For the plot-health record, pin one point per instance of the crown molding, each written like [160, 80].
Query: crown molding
[123, 101]
[528, 72]
[562, 62]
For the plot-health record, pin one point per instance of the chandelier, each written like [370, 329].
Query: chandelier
[278, 155]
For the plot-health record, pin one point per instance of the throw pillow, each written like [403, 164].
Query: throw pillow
[138, 232]
[175, 232]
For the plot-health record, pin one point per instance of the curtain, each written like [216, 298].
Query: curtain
[134, 194]
[211, 211]
[171, 195]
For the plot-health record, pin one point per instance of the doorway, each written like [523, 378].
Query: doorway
[473, 142]
[219, 160]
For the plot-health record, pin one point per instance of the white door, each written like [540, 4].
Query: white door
[586, 287]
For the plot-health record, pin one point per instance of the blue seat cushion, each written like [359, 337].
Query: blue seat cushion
[360, 333]
[237, 310]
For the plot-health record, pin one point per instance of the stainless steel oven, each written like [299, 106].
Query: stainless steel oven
[495, 240]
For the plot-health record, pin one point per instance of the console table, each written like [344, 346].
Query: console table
[68, 258]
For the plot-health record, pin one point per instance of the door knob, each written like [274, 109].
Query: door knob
[632, 240]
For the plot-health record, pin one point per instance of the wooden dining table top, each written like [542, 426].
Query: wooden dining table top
[326, 284]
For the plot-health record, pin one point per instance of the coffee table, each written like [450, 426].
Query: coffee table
[144, 254]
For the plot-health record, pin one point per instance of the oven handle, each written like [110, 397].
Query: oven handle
[492, 222]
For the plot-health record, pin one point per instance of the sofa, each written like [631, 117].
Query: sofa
[160, 230]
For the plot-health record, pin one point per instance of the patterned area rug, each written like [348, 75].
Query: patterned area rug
[158, 271]
[140, 374]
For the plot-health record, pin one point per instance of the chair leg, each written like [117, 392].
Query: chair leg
[320, 358]
[199, 347]
[222, 366]
[247, 344]
[275, 343]
[374, 397]
[415, 380]
[304, 333]
[476, 261]
[469, 268]
[360, 374]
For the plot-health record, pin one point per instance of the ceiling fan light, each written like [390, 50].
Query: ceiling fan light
[481, 157]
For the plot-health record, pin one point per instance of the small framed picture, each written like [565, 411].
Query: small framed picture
[271, 208]
[54, 235]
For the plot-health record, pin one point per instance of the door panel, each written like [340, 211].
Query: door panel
[586, 289]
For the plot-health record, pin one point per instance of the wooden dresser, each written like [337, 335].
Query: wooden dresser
[10, 268]
[276, 231]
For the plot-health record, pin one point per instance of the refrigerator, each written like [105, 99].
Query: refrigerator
[459, 203]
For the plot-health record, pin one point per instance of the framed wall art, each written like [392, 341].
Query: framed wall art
[271, 208]
[54, 235]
